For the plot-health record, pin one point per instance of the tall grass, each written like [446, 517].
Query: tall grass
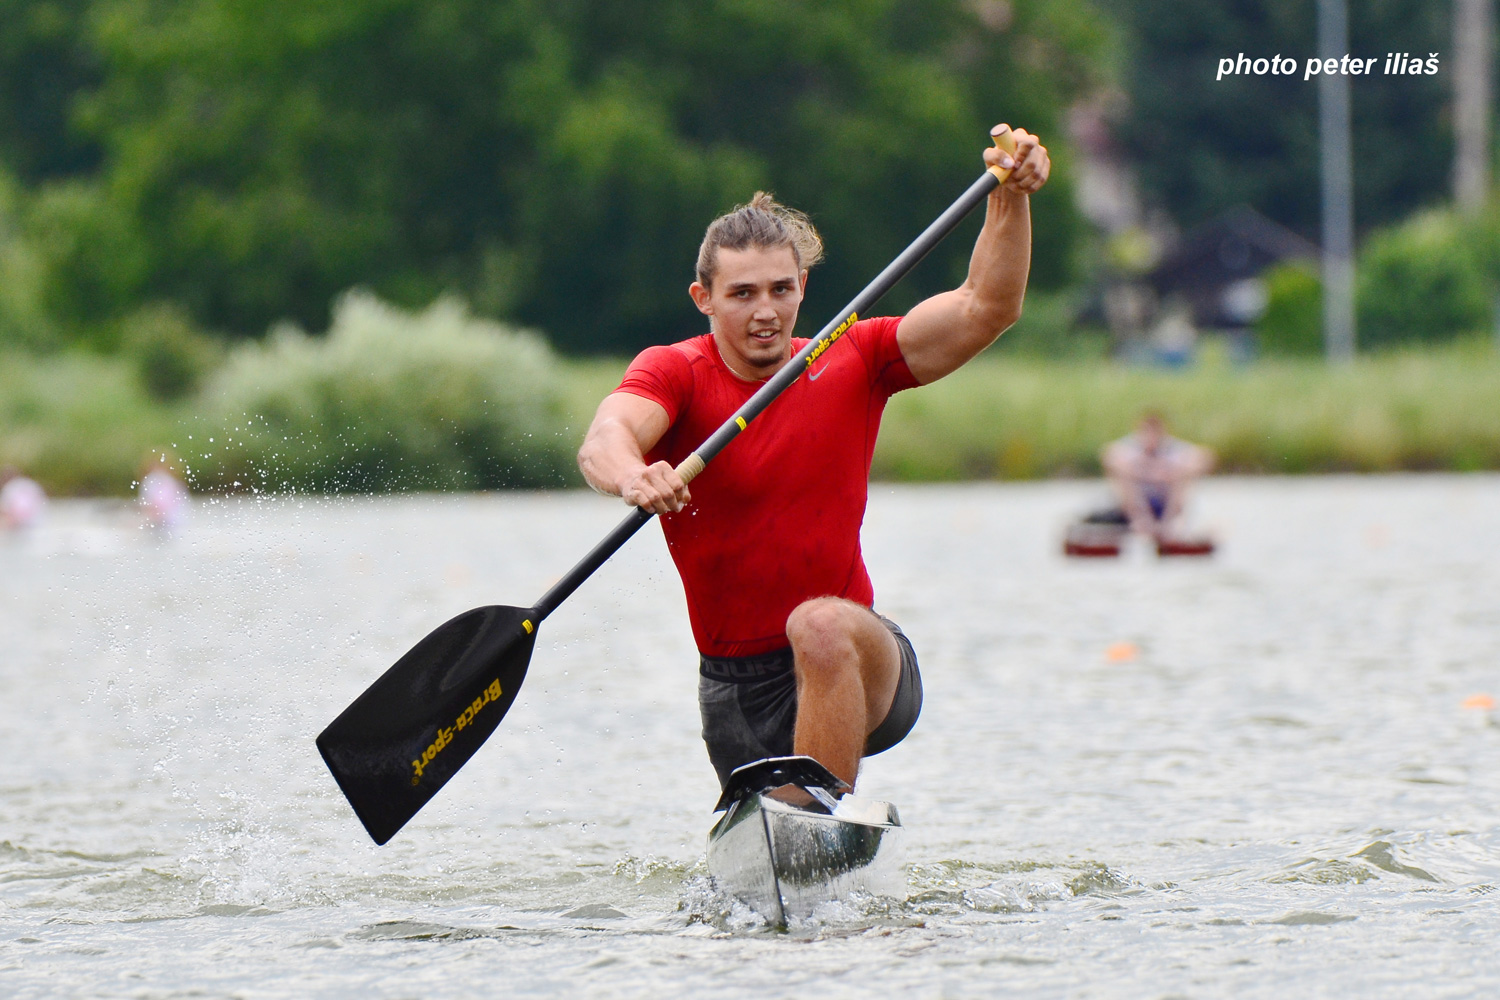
[80, 423]
[1012, 417]
[440, 400]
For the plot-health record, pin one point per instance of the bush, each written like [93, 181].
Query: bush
[1046, 330]
[77, 422]
[1421, 282]
[172, 356]
[1482, 236]
[388, 400]
[1293, 321]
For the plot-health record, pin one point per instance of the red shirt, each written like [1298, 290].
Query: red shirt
[775, 517]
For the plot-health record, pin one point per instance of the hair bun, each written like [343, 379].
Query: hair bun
[763, 223]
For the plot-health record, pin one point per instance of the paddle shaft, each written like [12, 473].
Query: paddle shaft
[401, 740]
[789, 373]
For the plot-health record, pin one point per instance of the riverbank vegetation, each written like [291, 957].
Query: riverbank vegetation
[1009, 416]
[554, 164]
[188, 189]
[385, 400]
[440, 399]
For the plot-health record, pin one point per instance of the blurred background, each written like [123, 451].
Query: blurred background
[396, 245]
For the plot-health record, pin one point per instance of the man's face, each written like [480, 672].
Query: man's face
[753, 307]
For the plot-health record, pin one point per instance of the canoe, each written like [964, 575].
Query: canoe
[1185, 547]
[1085, 540]
[1095, 539]
[784, 860]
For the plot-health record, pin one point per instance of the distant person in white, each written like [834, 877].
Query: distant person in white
[164, 497]
[22, 500]
[1150, 471]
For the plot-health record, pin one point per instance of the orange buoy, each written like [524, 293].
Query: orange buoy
[1483, 701]
[1121, 652]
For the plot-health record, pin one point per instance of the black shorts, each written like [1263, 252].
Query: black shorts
[749, 705]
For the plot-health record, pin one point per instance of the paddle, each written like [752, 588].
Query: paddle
[400, 741]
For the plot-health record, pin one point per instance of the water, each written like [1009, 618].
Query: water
[1250, 776]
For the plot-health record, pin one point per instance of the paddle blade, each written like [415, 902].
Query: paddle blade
[400, 741]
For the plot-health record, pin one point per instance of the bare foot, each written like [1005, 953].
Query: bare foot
[817, 799]
[794, 795]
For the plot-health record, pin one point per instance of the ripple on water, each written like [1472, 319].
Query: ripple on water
[1382, 855]
[1305, 918]
[84, 886]
[1325, 871]
[1287, 791]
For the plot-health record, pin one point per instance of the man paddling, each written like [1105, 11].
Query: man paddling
[1150, 471]
[792, 657]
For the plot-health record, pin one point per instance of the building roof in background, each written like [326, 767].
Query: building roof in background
[1215, 267]
[1232, 246]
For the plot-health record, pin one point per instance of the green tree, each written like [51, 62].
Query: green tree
[554, 162]
[1423, 281]
[1204, 145]
[23, 316]
[46, 60]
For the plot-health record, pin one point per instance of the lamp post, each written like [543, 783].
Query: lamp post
[1473, 32]
[1337, 186]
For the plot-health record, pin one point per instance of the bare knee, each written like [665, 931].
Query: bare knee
[823, 632]
[824, 619]
[820, 616]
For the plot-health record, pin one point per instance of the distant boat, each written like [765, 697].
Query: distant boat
[1102, 535]
[783, 860]
[1184, 547]
[1087, 540]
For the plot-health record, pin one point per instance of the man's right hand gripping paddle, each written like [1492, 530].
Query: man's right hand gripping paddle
[402, 740]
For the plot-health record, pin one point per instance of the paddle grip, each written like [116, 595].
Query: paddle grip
[1005, 140]
[690, 467]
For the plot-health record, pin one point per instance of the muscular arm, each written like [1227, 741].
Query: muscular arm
[613, 460]
[942, 333]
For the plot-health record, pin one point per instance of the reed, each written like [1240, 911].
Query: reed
[1014, 417]
[462, 408]
[83, 425]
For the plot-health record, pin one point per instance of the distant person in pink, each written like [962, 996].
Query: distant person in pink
[22, 500]
[164, 497]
